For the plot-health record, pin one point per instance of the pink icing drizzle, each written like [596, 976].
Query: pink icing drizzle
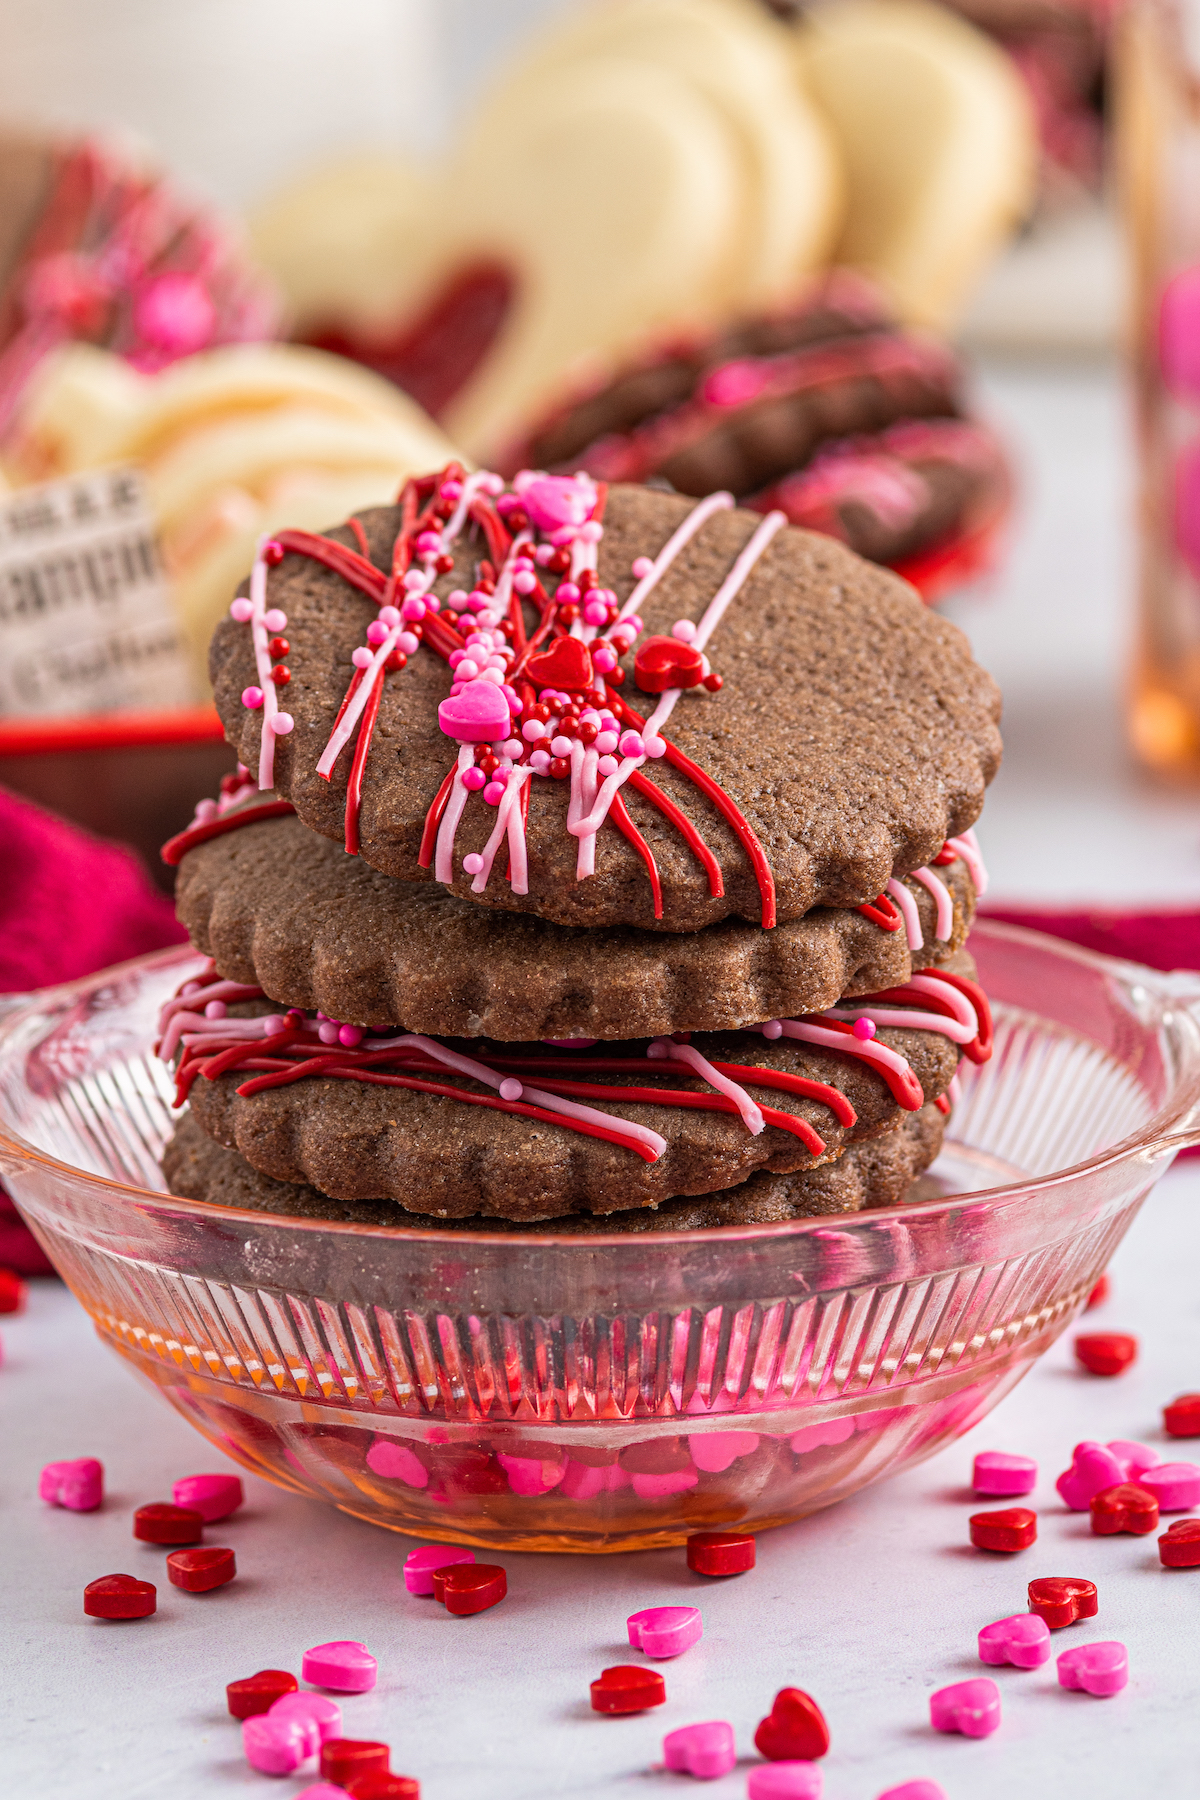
[944, 928]
[909, 913]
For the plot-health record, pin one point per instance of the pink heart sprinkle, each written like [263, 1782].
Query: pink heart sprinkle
[77, 1485]
[320, 1716]
[343, 1665]
[662, 1486]
[1093, 1468]
[532, 1475]
[704, 1751]
[396, 1462]
[553, 501]
[420, 1564]
[276, 1746]
[997, 1473]
[1022, 1640]
[1176, 1486]
[813, 1437]
[212, 1496]
[663, 1631]
[971, 1707]
[716, 1451]
[477, 714]
[1095, 1668]
[785, 1781]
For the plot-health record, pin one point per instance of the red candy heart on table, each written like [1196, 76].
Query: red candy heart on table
[626, 1689]
[1061, 1599]
[377, 1786]
[665, 662]
[1106, 1352]
[12, 1291]
[199, 1571]
[1179, 1545]
[1099, 1293]
[160, 1523]
[255, 1694]
[720, 1552]
[1182, 1417]
[344, 1759]
[567, 664]
[794, 1730]
[1013, 1528]
[465, 1588]
[1126, 1507]
[119, 1597]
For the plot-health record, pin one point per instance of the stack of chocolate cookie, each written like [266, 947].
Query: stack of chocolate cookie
[601, 860]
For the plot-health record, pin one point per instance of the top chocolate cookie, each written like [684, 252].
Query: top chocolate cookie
[659, 712]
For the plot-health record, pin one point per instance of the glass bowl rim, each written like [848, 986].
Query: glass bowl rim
[1175, 1126]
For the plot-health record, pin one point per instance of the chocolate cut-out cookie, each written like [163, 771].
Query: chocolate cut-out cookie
[281, 907]
[874, 1173]
[434, 1154]
[853, 732]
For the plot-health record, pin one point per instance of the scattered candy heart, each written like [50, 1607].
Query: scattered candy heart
[322, 1790]
[664, 1631]
[77, 1485]
[163, 1524]
[627, 1688]
[254, 1694]
[199, 1571]
[1022, 1640]
[704, 1751]
[1105, 1352]
[1015, 1528]
[908, 1790]
[1176, 1486]
[1099, 1293]
[419, 1565]
[996, 1473]
[119, 1597]
[12, 1291]
[1093, 1468]
[794, 1730]
[1126, 1507]
[1095, 1668]
[720, 1552]
[479, 714]
[785, 1781]
[1062, 1599]
[321, 1715]
[972, 1707]
[343, 1665]
[466, 1588]
[377, 1786]
[567, 664]
[344, 1759]
[276, 1746]
[1179, 1545]
[212, 1496]
[1134, 1458]
[1182, 1417]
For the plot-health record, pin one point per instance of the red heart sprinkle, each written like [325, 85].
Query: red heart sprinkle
[255, 1694]
[344, 1759]
[198, 1571]
[119, 1597]
[626, 1689]
[720, 1552]
[161, 1523]
[378, 1786]
[794, 1730]
[665, 662]
[465, 1588]
[1182, 1417]
[1061, 1599]
[1106, 1352]
[1125, 1507]
[1099, 1293]
[1179, 1545]
[567, 664]
[1013, 1528]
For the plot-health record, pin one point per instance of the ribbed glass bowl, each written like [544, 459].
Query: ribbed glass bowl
[544, 1393]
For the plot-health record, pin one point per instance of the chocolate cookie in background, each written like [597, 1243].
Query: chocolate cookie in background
[826, 409]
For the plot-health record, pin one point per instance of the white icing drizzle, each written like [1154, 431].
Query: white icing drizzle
[443, 866]
[262, 664]
[751, 1114]
[966, 845]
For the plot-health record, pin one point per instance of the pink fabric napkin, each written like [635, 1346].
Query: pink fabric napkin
[1163, 940]
[70, 904]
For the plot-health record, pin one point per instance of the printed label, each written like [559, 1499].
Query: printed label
[86, 621]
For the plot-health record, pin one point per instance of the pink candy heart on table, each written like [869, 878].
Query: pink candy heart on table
[343, 1665]
[785, 1781]
[1176, 1486]
[321, 1717]
[212, 1496]
[908, 1790]
[278, 1746]
[663, 1631]
[972, 1707]
[995, 1472]
[420, 1564]
[1093, 1468]
[1133, 1458]
[477, 715]
[1095, 1668]
[324, 1790]
[78, 1485]
[1022, 1640]
[705, 1751]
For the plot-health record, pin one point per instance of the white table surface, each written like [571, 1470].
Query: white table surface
[869, 1606]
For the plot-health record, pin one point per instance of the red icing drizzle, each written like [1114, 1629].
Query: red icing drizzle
[884, 912]
[619, 813]
[176, 848]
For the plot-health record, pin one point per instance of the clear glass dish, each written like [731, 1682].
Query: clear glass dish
[610, 1393]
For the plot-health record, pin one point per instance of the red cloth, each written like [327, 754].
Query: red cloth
[1163, 940]
[70, 904]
